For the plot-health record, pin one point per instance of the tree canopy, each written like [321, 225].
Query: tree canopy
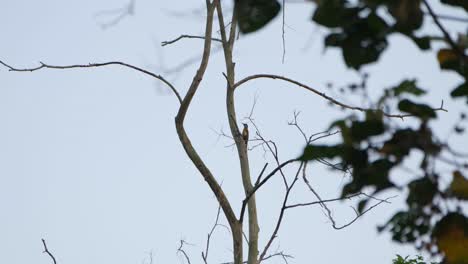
[374, 144]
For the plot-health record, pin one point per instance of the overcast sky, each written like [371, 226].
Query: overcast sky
[91, 162]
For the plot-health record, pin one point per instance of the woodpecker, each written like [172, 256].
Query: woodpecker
[245, 133]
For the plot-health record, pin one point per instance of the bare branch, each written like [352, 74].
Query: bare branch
[232, 30]
[279, 254]
[358, 215]
[164, 43]
[327, 134]
[261, 173]
[253, 106]
[94, 65]
[207, 248]
[181, 250]
[282, 212]
[296, 124]
[323, 201]
[46, 250]
[449, 17]
[449, 39]
[271, 146]
[328, 211]
[262, 182]
[323, 95]
[314, 137]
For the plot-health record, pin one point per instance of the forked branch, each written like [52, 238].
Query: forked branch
[182, 251]
[328, 211]
[46, 250]
[260, 184]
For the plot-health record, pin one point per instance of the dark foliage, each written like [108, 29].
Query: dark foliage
[374, 145]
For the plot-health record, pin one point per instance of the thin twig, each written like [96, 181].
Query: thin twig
[323, 201]
[272, 147]
[296, 124]
[328, 211]
[261, 173]
[279, 254]
[253, 106]
[207, 248]
[181, 250]
[164, 43]
[46, 250]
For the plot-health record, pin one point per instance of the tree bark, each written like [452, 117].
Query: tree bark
[235, 225]
[241, 145]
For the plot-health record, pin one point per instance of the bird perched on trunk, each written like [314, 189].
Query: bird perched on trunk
[245, 133]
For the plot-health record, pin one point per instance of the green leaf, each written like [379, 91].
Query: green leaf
[407, 13]
[376, 115]
[399, 260]
[371, 174]
[424, 43]
[458, 3]
[362, 41]
[451, 236]
[253, 15]
[448, 59]
[357, 158]
[451, 60]
[407, 226]
[313, 152]
[345, 133]
[459, 186]
[461, 90]
[361, 205]
[363, 130]
[334, 13]
[422, 111]
[400, 144]
[334, 39]
[408, 86]
[421, 192]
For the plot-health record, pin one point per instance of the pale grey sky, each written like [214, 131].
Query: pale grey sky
[90, 160]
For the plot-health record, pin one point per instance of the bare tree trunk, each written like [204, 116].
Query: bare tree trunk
[228, 45]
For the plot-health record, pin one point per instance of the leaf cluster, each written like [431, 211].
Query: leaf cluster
[372, 146]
